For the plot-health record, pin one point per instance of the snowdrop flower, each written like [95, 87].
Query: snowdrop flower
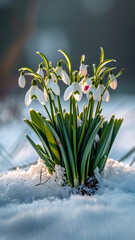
[53, 77]
[62, 74]
[52, 87]
[79, 122]
[113, 84]
[83, 69]
[85, 84]
[95, 92]
[74, 89]
[22, 80]
[106, 95]
[40, 71]
[34, 93]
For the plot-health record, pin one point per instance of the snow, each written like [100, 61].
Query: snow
[49, 211]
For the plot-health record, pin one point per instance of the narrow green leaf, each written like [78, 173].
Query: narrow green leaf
[102, 163]
[49, 164]
[102, 55]
[51, 141]
[87, 150]
[68, 60]
[104, 143]
[103, 64]
[25, 69]
[64, 156]
[45, 61]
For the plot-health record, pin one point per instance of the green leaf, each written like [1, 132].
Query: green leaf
[67, 144]
[35, 75]
[88, 134]
[104, 143]
[49, 164]
[102, 163]
[25, 69]
[64, 156]
[102, 55]
[117, 125]
[41, 136]
[45, 61]
[87, 150]
[68, 60]
[103, 64]
[51, 141]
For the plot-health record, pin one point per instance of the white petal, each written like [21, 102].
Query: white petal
[41, 72]
[106, 96]
[53, 77]
[88, 93]
[55, 88]
[65, 78]
[21, 81]
[78, 89]
[88, 81]
[58, 71]
[28, 97]
[113, 84]
[97, 94]
[68, 92]
[40, 95]
[46, 95]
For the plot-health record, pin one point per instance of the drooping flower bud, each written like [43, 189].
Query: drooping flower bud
[83, 69]
[40, 71]
[22, 80]
[113, 84]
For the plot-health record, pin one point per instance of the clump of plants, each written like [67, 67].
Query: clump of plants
[79, 141]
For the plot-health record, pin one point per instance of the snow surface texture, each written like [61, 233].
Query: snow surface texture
[49, 211]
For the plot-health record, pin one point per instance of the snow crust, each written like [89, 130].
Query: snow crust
[49, 211]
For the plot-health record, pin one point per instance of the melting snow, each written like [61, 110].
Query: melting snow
[49, 211]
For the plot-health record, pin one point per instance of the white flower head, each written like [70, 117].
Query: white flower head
[113, 84]
[83, 69]
[62, 74]
[95, 92]
[53, 77]
[40, 71]
[22, 80]
[74, 89]
[106, 95]
[85, 84]
[58, 70]
[34, 93]
[52, 87]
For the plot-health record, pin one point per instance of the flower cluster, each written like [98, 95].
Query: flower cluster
[78, 141]
[82, 84]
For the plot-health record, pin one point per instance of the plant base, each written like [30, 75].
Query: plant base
[90, 187]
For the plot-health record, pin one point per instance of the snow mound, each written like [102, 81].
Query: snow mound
[49, 211]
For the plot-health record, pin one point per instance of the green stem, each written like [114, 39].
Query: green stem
[48, 112]
[59, 105]
[74, 141]
[84, 126]
[51, 109]
[98, 107]
[91, 110]
[55, 108]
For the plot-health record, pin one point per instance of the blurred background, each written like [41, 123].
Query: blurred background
[77, 27]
